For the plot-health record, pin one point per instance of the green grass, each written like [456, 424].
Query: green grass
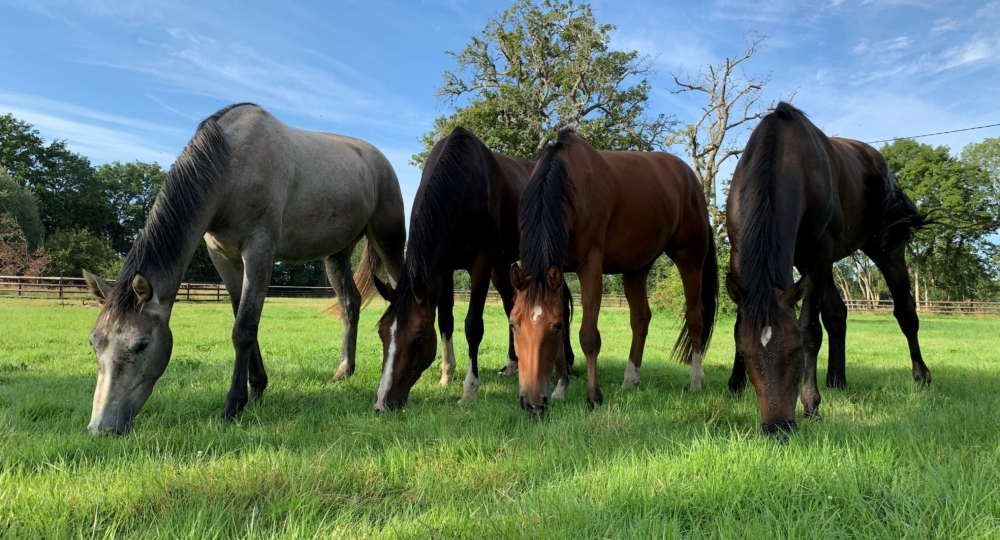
[313, 460]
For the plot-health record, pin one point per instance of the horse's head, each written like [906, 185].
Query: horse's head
[773, 355]
[133, 342]
[409, 343]
[537, 323]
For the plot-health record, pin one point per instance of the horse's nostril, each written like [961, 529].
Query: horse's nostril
[779, 429]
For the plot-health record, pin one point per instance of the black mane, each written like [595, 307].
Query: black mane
[541, 215]
[460, 173]
[758, 235]
[188, 185]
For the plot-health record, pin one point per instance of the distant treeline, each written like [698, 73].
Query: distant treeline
[59, 213]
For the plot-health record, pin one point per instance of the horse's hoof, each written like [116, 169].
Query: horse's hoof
[256, 394]
[343, 372]
[231, 411]
[509, 369]
[560, 391]
[631, 379]
[595, 400]
[923, 379]
[446, 379]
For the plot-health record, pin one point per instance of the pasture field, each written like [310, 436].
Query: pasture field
[314, 460]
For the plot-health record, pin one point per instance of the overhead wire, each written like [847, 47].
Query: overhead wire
[932, 134]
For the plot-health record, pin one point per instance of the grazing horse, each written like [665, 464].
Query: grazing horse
[598, 213]
[464, 217]
[259, 191]
[802, 199]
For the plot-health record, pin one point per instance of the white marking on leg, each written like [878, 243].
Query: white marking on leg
[765, 336]
[447, 360]
[510, 368]
[536, 313]
[470, 387]
[560, 392]
[386, 382]
[631, 376]
[697, 373]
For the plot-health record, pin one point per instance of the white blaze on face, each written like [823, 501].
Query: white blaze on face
[536, 314]
[765, 336]
[386, 382]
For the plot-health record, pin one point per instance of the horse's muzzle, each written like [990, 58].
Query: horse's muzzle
[779, 429]
[536, 409]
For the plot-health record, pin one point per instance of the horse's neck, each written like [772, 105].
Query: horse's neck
[169, 266]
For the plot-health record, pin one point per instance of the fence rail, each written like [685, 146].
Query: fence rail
[55, 288]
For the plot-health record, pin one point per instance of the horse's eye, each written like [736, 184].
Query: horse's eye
[513, 327]
[140, 346]
[557, 328]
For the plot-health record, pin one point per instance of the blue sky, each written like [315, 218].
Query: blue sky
[130, 80]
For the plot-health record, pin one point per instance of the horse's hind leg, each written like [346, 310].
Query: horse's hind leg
[689, 266]
[232, 276]
[634, 284]
[446, 324]
[338, 271]
[258, 260]
[501, 280]
[834, 316]
[893, 268]
[387, 233]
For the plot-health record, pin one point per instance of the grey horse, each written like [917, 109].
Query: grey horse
[259, 191]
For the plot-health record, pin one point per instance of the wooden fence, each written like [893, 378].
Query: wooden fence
[54, 288]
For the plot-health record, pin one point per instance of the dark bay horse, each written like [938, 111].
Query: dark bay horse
[259, 191]
[804, 200]
[598, 213]
[464, 217]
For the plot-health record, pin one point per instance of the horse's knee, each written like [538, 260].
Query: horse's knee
[590, 342]
[907, 318]
[474, 329]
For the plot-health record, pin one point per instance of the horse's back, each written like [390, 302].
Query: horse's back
[319, 189]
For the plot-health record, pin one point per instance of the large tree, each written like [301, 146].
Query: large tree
[732, 100]
[69, 195]
[130, 189]
[540, 67]
[20, 204]
[953, 259]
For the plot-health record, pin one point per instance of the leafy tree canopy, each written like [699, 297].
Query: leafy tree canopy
[539, 67]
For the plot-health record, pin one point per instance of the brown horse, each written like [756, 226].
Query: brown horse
[464, 217]
[802, 199]
[598, 213]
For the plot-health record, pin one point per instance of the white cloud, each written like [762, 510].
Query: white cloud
[943, 25]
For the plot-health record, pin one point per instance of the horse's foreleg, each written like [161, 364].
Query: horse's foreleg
[338, 271]
[480, 278]
[590, 337]
[834, 317]
[738, 380]
[257, 264]
[634, 284]
[501, 280]
[568, 356]
[893, 268]
[812, 337]
[446, 324]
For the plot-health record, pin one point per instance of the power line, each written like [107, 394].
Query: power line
[931, 134]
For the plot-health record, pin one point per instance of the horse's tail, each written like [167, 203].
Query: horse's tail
[684, 348]
[369, 267]
[900, 217]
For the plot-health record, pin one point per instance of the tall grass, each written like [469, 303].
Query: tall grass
[313, 460]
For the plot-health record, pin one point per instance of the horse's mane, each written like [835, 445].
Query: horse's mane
[758, 235]
[185, 191]
[457, 172]
[541, 214]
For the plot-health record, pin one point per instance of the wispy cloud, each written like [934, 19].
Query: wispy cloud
[943, 25]
[97, 135]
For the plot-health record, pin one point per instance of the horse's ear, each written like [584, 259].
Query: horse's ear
[142, 288]
[794, 294]
[98, 286]
[517, 278]
[384, 289]
[734, 289]
[419, 289]
[555, 278]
